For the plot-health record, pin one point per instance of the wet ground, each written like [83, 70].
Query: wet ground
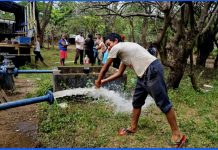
[18, 126]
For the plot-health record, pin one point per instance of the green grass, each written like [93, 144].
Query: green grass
[94, 124]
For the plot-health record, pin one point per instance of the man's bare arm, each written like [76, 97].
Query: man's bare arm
[103, 71]
[116, 75]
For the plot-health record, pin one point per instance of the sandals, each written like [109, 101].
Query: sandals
[180, 142]
[177, 144]
[125, 131]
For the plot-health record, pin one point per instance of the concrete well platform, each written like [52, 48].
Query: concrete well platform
[74, 77]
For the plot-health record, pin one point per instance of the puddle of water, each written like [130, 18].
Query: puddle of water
[28, 128]
[120, 103]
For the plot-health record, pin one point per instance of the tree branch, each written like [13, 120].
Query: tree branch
[131, 15]
[204, 14]
[215, 13]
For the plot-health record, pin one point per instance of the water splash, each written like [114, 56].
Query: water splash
[120, 103]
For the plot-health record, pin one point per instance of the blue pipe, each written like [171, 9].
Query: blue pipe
[48, 97]
[15, 71]
[34, 71]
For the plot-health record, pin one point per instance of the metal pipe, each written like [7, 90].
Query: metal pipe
[48, 97]
[34, 71]
[15, 71]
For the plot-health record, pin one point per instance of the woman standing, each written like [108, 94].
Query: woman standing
[63, 48]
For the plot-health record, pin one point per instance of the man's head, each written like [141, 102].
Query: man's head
[90, 36]
[98, 35]
[81, 33]
[38, 38]
[112, 39]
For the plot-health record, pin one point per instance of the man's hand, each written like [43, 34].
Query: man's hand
[97, 84]
[103, 81]
[103, 71]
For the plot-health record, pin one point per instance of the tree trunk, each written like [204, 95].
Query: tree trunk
[45, 20]
[144, 29]
[175, 75]
[216, 62]
[192, 74]
[179, 60]
[132, 31]
[52, 39]
[205, 47]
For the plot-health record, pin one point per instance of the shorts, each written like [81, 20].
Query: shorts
[63, 54]
[152, 83]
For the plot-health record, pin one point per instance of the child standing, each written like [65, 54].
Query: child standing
[37, 52]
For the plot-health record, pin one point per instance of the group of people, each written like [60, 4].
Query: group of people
[93, 47]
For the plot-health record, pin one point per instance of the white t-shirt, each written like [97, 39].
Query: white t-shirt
[37, 46]
[81, 41]
[66, 42]
[132, 55]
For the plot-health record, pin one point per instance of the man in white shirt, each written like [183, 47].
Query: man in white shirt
[79, 40]
[150, 80]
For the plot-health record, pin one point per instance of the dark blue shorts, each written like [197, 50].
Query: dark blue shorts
[152, 83]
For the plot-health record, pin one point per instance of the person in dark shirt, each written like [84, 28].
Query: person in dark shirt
[89, 43]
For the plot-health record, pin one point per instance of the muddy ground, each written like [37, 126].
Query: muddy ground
[18, 126]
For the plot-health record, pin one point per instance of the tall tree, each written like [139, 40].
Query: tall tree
[44, 9]
[206, 41]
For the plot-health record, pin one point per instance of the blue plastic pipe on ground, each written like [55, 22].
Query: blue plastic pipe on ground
[48, 97]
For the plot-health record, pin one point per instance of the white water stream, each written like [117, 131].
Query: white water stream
[120, 104]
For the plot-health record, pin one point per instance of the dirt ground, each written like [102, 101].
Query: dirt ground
[18, 126]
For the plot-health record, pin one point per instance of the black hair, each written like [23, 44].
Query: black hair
[63, 34]
[98, 34]
[104, 39]
[90, 35]
[113, 36]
